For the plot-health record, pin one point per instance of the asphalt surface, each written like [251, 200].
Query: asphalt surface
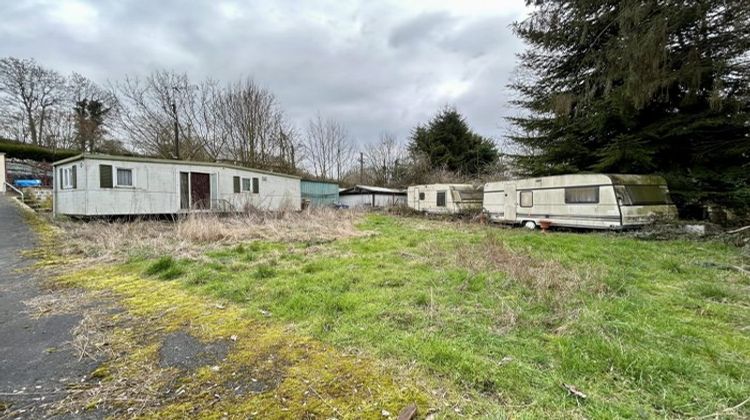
[37, 363]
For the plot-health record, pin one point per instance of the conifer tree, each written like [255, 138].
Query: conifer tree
[637, 86]
[447, 142]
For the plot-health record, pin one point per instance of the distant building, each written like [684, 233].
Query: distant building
[367, 196]
[319, 193]
[104, 185]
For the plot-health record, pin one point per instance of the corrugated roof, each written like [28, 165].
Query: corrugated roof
[370, 189]
[166, 161]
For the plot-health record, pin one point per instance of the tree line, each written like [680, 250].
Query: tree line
[165, 114]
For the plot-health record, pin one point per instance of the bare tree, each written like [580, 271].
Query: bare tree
[329, 151]
[383, 158]
[33, 91]
[150, 107]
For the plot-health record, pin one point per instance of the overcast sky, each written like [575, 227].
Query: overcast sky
[372, 65]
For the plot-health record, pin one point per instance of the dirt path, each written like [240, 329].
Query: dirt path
[37, 363]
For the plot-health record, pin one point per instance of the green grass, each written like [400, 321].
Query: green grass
[509, 316]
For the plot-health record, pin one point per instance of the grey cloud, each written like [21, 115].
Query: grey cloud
[372, 66]
[422, 28]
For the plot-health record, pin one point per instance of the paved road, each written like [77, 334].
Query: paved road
[36, 363]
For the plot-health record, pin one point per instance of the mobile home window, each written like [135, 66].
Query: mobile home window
[256, 186]
[421, 196]
[527, 198]
[440, 202]
[246, 184]
[68, 178]
[582, 195]
[124, 177]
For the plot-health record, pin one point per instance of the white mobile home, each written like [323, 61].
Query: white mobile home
[367, 196]
[595, 201]
[103, 185]
[444, 198]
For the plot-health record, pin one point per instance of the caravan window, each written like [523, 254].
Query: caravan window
[527, 198]
[582, 195]
[421, 196]
[643, 195]
[440, 202]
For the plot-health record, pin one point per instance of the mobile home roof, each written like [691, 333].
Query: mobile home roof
[165, 161]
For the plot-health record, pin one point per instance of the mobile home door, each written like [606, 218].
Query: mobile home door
[510, 202]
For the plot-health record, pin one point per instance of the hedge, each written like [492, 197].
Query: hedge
[17, 150]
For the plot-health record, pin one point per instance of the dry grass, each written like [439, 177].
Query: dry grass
[545, 279]
[190, 237]
[539, 281]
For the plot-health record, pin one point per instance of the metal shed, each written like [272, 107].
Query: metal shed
[319, 193]
[369, 196]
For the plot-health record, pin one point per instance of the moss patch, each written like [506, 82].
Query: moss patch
[310, 378]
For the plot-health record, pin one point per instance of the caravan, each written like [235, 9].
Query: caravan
[594, 201]
[445, 198]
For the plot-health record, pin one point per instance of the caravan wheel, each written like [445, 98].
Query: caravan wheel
[529, 225]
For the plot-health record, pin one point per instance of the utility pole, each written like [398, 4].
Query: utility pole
[176, 124]
[361, 167]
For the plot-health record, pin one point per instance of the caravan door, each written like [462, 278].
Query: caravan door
[511, 204]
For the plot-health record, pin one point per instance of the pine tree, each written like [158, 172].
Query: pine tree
[447, 142]
[640, 87]
[89, 123]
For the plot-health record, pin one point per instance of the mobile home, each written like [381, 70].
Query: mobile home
[367, 196]
[444, 198]
[103, 185]
[595, 201]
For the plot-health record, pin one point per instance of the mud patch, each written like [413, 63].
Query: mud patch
[183, 351]
[266, 375]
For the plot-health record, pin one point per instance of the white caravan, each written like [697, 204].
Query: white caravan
[594, 201]
[444, 198]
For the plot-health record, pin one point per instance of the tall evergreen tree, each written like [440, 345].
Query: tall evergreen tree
[89, 123]
[448, 143]
[639, 86]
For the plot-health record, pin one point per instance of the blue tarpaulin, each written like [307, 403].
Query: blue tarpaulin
[25, 183]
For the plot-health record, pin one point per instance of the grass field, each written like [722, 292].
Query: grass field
[512, 320]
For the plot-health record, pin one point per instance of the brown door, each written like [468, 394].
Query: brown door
[200, 190]
[184, 191]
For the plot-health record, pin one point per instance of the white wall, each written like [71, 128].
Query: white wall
[156, 187]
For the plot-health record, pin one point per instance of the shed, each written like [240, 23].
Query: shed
[445, 198]
[319, 193]
[368, 196]
[105, 185]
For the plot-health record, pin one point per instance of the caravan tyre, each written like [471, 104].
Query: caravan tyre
[529, 225]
